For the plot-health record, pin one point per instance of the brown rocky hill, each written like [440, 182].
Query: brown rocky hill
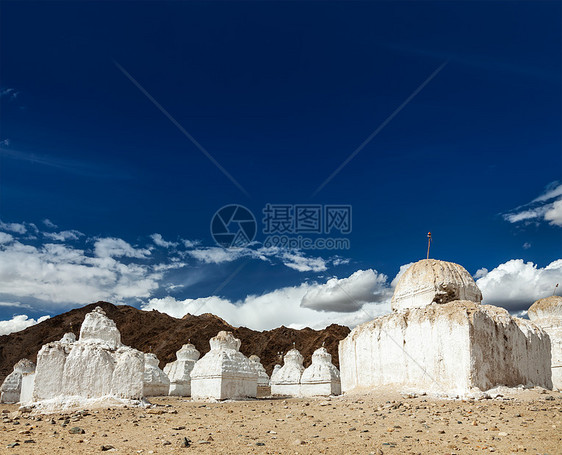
[152, 331]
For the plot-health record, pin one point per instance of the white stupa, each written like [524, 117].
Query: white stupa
[547, 313]
[432, 281]
[286, 380]
[96, 366]
[156, 382]
[321, 377]
[12, 385]
[179, 371]
[435, 343]
[224, 372]
[263, 379]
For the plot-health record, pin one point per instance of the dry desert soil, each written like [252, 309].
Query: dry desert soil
[528, 421]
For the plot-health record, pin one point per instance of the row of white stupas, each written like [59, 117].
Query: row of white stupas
[438, 339]
[99, 366]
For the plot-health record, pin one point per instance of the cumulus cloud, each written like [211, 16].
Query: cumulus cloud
[6, 238]
[545, 207]
[47, 222]
[302, 263]
[59, 274]
[349, 294]
[63, 236]
[13, 227]
[516, 284]
[111, 247]
[159, 241]
[19, 322]
[370, 297]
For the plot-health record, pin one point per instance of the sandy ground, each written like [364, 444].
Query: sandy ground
[528, 421]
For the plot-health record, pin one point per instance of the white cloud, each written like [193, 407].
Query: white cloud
[58, 274]
[526, 245]
[159, 241]
[348, 295]
[47, 222]
[554, 213]
[217, 255]
[63, 236]
[111, 247]
[516, 284]
[5, 238]
[19, 322]
[284, 306]
[302, 263]
[13, 227]
[546, 207]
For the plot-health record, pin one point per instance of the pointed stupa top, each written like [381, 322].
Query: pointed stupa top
[188, 352]
[225, 340]
[432, 281]
[321, 369]
[68, 337]
[98, 328]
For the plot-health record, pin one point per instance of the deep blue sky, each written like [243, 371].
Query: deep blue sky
[280, 93]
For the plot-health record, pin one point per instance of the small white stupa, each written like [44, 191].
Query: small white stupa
[156, 383]
[179, 371]
[224, 372]
[12, 385]
[286, 380]
[96, 366]
[321, 377]
[435, 343]
[547, 313]
[263, 379]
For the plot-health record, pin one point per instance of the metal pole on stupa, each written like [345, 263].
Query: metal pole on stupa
[428, 243]
[554, 293]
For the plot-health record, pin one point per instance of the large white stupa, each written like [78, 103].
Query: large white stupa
[97, 365]
[12, 385]
[321, 377]
[179, 371]
[438, 341]
[547, 313]
[286, 380]
[224, 372]
[155, 382]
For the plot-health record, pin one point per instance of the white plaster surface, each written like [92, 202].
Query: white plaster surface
[27, 381]
[446, 349]
[95, 366]
[10, 390]
[547, 313]
[263, 378]
[321, 377]
[179, 371]
[224, 372]
[286, 380]
[156, 382]
[432, 281]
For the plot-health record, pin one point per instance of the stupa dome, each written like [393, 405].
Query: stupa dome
[432, 281]
[188, 352]
[547, 308]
